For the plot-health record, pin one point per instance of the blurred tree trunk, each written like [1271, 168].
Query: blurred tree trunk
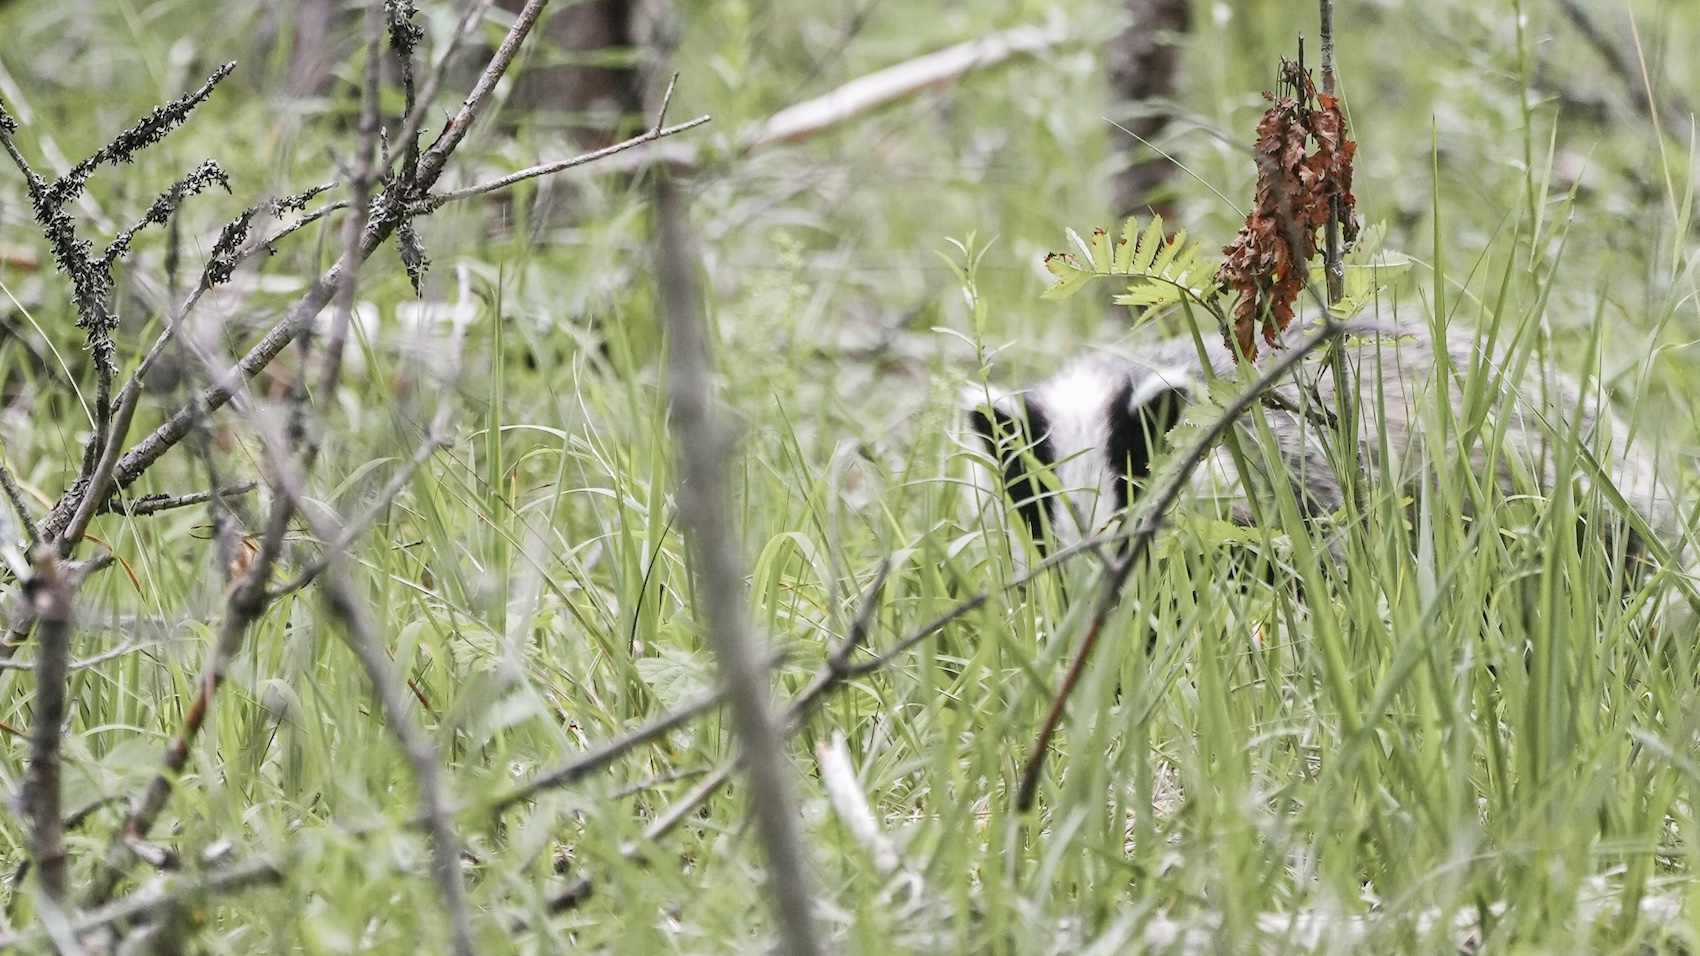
[1144, 77]
[315, 52]
[599, 92]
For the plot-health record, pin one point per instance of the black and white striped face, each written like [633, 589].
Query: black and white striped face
[1074, 450]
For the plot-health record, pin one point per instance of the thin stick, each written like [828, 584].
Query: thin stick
[1145, 529]
[876, 89]
[352, 529]
[832, 674]
[155, 503]
[532, 172]
[94, 493]
[244, 605]
[410, 127]
[421, 753]
[434, 159]
[141, 456]
[15, 497]
[703, 445]
[51, 589]
[147, 903]
[587, 763]
[360, 202]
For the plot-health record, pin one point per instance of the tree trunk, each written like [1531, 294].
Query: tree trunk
[1144, 73]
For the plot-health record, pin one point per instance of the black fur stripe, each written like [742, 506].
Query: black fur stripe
[1134, 434]
[1011, 440]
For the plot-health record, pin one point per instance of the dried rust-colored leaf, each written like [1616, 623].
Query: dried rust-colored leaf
[1298, 189]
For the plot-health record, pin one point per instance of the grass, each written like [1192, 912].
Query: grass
[1465, 726]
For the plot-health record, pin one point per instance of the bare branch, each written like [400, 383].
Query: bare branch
[170, 895]
[94, 491]
[409, 136]
[432, 162]
[101, 658]
[244, 605]
[15, 497]
[861, 95]
[145, 132]
[205, 175]
[876, 89]
[421, 754]
[686, 805]
[8, 128]
[155, 503]
[352, 529]
[51, 590]
[141, 456]
[545, 169]
[360, 203]
[703, 445]
[587, 763]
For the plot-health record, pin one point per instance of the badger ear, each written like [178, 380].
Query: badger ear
[1016, 433]
[1139, 418]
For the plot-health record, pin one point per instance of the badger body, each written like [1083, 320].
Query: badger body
[1073, 451]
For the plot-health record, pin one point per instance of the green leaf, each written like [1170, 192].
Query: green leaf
[1161, 271]
[1071, 278]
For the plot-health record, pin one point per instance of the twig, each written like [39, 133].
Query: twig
[686, 805]
[51, 589]
[94, 492]
[160, 501]
[415, 119]
[15, 497]
[838, 778]
[77, 665]
[421, 753]
[141, 456]
[244, 605]
[655, 132]
[434, 159]
[832, 674]
[376, 230]
[876, 89]
[1326, 9]
[1152, 511]
[289, 486]
[92, 279]
[1333, 264]
[146, 903]
[532, 172]
[703, 446]
[859, 96]
[837, 666]
[587, 763]
[353, 528]
[360, 204]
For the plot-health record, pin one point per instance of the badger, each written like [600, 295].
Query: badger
[1073, 452]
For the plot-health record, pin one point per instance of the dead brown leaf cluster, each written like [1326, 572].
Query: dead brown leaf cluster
[1298, 189]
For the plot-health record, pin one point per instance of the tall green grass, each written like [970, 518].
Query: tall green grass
[1469, 725]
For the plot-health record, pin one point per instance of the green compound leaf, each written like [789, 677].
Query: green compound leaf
[1161, 271]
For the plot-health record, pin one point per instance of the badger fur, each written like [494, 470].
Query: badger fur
[1072, 452]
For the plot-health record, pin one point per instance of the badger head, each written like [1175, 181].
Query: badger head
[1073, 451]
